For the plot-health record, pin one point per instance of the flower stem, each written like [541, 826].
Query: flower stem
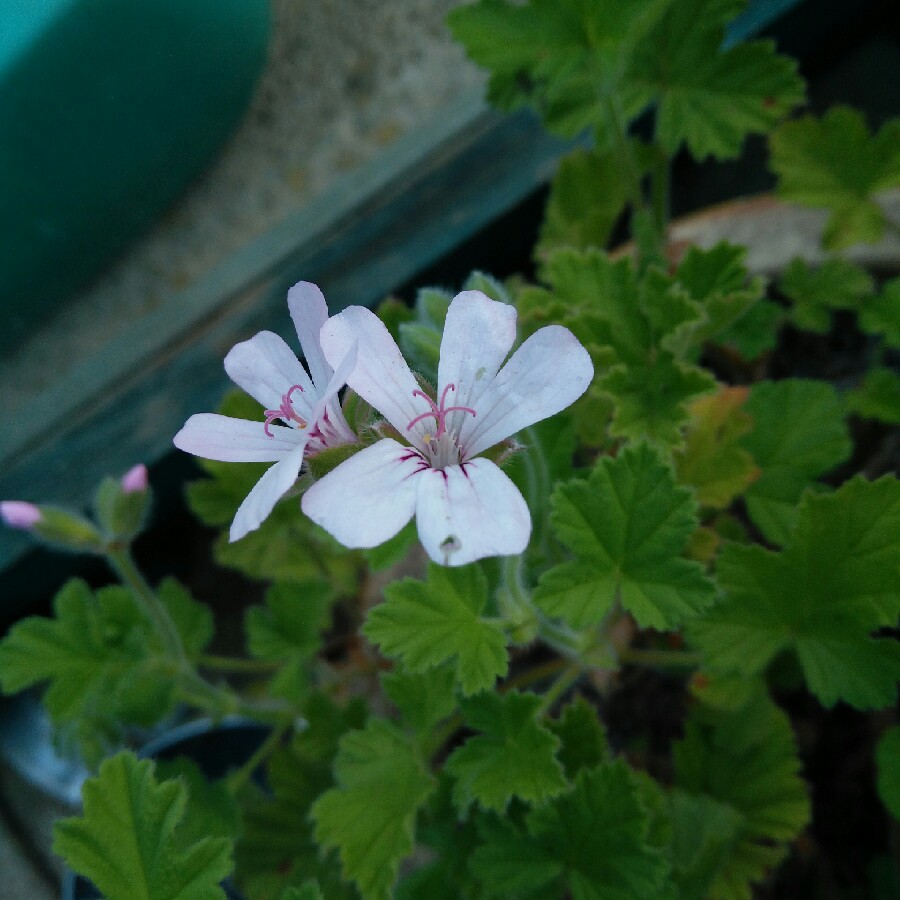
[678, 659]
[122, 563]
[566, 679]
[239, 777]
[236, 665]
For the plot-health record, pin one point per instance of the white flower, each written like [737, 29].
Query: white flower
[465, 507]
[267, 369]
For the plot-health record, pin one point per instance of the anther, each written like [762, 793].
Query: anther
[285, 412]
[439, 412]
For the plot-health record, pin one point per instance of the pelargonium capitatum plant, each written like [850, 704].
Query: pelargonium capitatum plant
[540, 579]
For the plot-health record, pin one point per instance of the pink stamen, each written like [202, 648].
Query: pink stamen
[285, 412]
[439, 412]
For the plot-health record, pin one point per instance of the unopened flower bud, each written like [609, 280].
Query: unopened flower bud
[121, 504]
[19, 514]
[135, 481]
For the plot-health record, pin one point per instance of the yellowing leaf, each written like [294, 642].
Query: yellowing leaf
[712, 461]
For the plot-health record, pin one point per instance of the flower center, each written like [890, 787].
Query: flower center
[440, 412]
[285, 412]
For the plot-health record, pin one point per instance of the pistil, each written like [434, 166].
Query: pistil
[440, 412]
[285, 412]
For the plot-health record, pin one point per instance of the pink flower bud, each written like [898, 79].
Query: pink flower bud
[134, 481]
[19, 514]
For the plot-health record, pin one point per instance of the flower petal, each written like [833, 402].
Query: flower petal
[266, 368]
[468, 512]
[309, 313]
[328, 400]
[381, 376]
[265, 494]
[478, 334]
[368, 498]
[550, 371]
[236, 440]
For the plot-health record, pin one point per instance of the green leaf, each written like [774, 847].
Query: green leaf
[708, 97]
[745, 760]
[591, 841]
[212, 810]
[718, 281]
[587, 196]
[128, 842]
[799, 434]
[822, 596]
[101, 659]
[814, 293]
[557, 55]
[288, 630]
[881, 313]
[756, 331]
[277, 848]
[639, 331]
[423, 699]
[712, 461]
[370, 814]
[450, 845]
[628, 524]
[878, 397]
[309, 890]
[427, 623]
[582, 737]
[836, 163]
[193, 620]
[887, 758]
[514, 756]
[704, 836]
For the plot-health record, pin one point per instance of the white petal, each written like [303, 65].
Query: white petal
[369, 497]
[467, 512]
[309, 313]
[478, 334]
[235, 440]
[266, 368]
[550, 371]
[329, 399]
[265, 494]
[381, 376]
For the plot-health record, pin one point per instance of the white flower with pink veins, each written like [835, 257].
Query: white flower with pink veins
[267, 369]
[466, 508]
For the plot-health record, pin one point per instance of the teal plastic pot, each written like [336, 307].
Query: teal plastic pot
[107, 110]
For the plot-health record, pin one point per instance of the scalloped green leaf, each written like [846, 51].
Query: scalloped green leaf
[640, 332]
[128, 841]
[628, 524]
[878, 397]
[513, 756]
[710, 97]
[593, 842]
[815, 292]
[834, 583]
[560, 56]
[799, 434]
[100, 658]
[369, 816]
[812, 159]
[587, 196]
[427, 623]
[746, 759]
